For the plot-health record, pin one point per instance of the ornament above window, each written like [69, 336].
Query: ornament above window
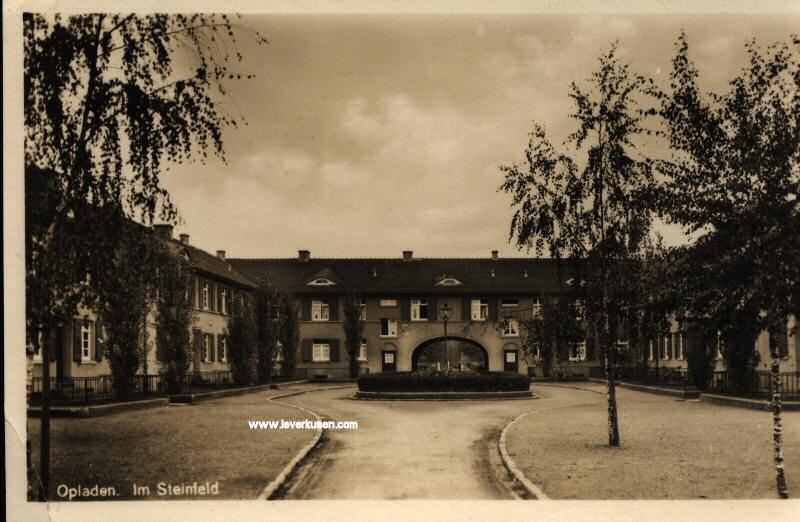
[320, 281]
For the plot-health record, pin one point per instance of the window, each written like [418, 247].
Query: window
[622, 345]
[509, 303]
[678, 342]
[578, 310]
[278, 355]
[223, 300]
[536, 307]
[388, 327]
[362, 350]
[480, 309]
[321, 281]
[388, 302]
[320, 310]
[223, 348]
[207, 348]
[321, 351]
[719, 344]
[204, 296]
[667, 346]
[537, 354]
[511, 328]
[511, 356]
[363, 304]
[577, 351]
[86, 341]
[650, 350]
[419, 309]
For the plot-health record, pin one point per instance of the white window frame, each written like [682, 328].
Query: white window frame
[321, 281]
[679, 351]
[86, 342]
[363, 350]
[278, 355]
[207, 347]
[391, 327]
[511, 328]
[479, 309]
[222, 348]
[363, 309]
[205, 295]
[320, 352]
[510, 352]
[223, 301]
[320, 310]
[417, 307]
[388, 303]
[719, 345]
[536, 308]
[667, 342]
[579, 350]
[650, 352]
[622, 345]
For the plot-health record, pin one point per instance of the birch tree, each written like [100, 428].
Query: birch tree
[587, 202]
[110, 101]
[734, 180]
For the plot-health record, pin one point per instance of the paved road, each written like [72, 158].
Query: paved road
[406, 449]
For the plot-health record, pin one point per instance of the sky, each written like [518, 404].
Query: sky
[367, 135]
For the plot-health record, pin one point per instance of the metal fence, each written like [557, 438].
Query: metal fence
[567, 372]
[759, 385]
[88, 389]
[327, 373]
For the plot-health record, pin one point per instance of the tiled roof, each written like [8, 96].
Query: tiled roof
[213, 265]
[516, 276]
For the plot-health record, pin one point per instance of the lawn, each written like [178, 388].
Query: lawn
[670, 449]
[205, 442]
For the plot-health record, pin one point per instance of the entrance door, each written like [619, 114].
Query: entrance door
[389, 363]
[511, 364]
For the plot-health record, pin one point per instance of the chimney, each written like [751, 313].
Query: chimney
[303, 255]
[163, 230]
[494, 255]
[184, 239]
[221, 254]
[408, 255]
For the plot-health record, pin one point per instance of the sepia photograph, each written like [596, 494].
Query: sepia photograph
[525, 254]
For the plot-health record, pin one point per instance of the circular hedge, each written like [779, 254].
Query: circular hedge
[460, 382]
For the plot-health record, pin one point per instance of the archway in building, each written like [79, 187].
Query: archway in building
[463, 353]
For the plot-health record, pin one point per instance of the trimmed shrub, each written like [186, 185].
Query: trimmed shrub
[464, 382]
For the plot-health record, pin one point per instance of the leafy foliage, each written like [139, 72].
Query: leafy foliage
[268, 304]
[550, 333]
[598, 215]
[242, 334]
[174, 314]
[289, 334]
[353, 330]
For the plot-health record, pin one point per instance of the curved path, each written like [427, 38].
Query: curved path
[407, 449]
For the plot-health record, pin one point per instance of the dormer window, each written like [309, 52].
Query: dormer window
[449, 281]
[321, 281]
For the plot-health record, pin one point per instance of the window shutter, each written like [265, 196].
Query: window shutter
[493, 309]
[305, 350]
[405, 309]
[781, 339]
[466, 309]
[590, 348]
[211, 350]
[333, 306]
[334, 343]
[76, 340]
[306, 310]
[433, 309]
[197, 292]
[52, 344]
[97, 341]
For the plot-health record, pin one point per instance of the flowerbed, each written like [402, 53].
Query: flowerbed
[443, 382]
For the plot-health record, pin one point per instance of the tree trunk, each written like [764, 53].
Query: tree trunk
[611, 397]
[44, 457]
[777, 430]
[611, 390]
